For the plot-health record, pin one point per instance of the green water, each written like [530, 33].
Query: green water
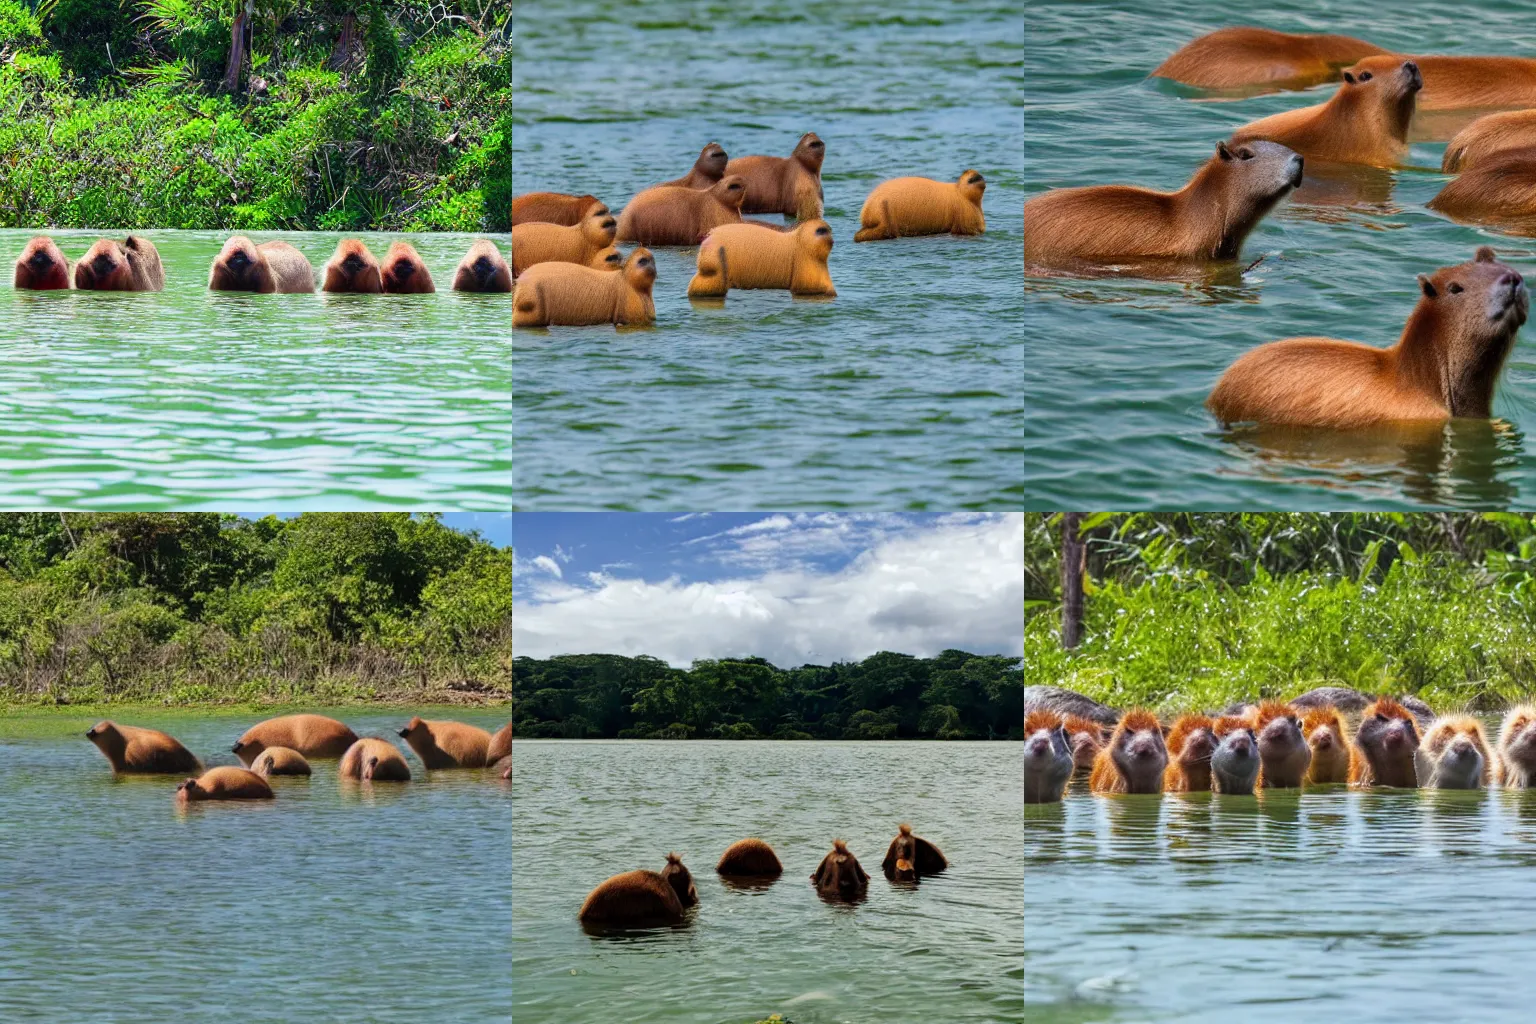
[188, 399]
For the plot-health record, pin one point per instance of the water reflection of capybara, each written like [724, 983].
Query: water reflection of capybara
[374, 760]
[1517, 748]
[1135, 758]
[1324, 728]
[130, 266]
[641, 899]
[923, 857]
[148, 751]
[1454, 755]
[280, 761]
[1047, 757]
[840, 876]
[42, 267]
[1283, 751]
[749, 858]
[310, 735]
[1384, 747]
[225, 783]
[1191, 742]
[444, 744]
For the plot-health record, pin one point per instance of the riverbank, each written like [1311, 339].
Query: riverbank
[37, 722]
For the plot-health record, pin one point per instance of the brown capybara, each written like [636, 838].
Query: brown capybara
[567, 295]
[607, 259]
[1517, 748]
[789, 185]
[42, 267]
[1365, 121]
[501, 744]
[1476, 83]
[554, 208]
[144, 751]
[1445, 364]
[1324, 729]
[554, 243]
[130, 266]
[280, 761]
[1501, 190]
[1454, 755]
[1047, 756]
[1283, 751]
[749, 858]
[310, 735]
[374, 760]
[839, 875]
[404, 273]
[904, 207]
[1242, 57]
[225, 783]
[483, 270]
[1190, 742]
[1207, 219]
[1134, 759]
[444, 744]
[1488, 137]
[268, 268]
[1087, 738]
[707, 169]
[1235, 764]
[1384, 747]
[668, 215]
[502, 769]
[641, 899]
[925, 858]
[352, 268]
[745, 256]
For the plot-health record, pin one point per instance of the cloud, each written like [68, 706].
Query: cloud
[549, 565]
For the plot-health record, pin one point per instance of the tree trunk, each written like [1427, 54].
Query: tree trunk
[348, 52]
[1073, 554]
[238, 43]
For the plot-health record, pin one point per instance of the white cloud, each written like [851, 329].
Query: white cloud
[562, 554]
[549, 565]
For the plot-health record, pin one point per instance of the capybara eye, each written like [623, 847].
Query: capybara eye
[1245, 154]
[1365, 76]
[1455, 288]
[1380, 717]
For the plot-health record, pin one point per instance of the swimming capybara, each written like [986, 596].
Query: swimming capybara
[374, 760]
[1087, 738]
[310, 735]
[501, 744]
[1517, 748]
[555, 243]
[1487, 137]
[1384, 747]
[1235, 764]
[641, 899]
[1283, 751]
[483, 270]
[788, 185]
[42, 267]
[1207, 219]
[565, 294]
[839, 875]
[443, 744]
[1454, 755]
[268, 268]
[554, 208]
[1365, 122]
[1324, 729]
[145, 751]
[1446, 363]
[404, 273]
[925, 858]
[905, 207]
[749, 858]
[1191, 742]
[1047, 757]
[225, 783]
[1242, 57]
[352, 268]
[280, 761]
[1476, 83]
[745, 256]
[132, 266]
[707, 169]
[1500, 191]
[668, 215]
[502, 769]
[1134, 759]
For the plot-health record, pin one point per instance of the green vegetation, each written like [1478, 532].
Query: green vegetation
[308, 114]
[181, 608]
[1197, 610]
[884, 697]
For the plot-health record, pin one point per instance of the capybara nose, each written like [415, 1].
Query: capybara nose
[1511, 278]
[1039, 748]
[405, 732]
[1325, 741]
[235, 749]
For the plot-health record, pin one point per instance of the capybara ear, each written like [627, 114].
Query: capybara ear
[1427, 286]
[1485, 254]
[1222, 151]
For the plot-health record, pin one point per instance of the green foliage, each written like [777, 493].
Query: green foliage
[18, 26]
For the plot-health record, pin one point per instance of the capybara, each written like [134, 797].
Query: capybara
[1324, 729]
[555, 243]
[146, 751]
[443, 744]
[501, 744]
[554, 208]
[641, 899]
[745, 256]
[42, 267]
[1446, 363]
[1134, 759]
[707, 169]
[1047, 758]
[1454, 755]
[925, 858]
[922, 206]
[681, 881]
[1283, 750]
[839, 875]
[565, 294]
[607, 259]
[483, 270]
[1500, 191]
[1476, 83]
[668, 215]
[1517, 748]
[310, 735]
[502, 769]
[749, 858]
[225, 783]
[1191, 742]
[1069, 703]
[280, 761]
[1235, 764]
[1347, 698]
[1242, 56]
[788, 185]
[268, 268]
[1489, 136]
[1384, 748]
[352, 268]
[374, 760]
[1087, 738]
[132, 266]
[1365, 122]
[1207, 219]
[404, 273]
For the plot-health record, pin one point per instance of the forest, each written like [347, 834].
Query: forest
[259, 115]
[953, 696]
[99, 607]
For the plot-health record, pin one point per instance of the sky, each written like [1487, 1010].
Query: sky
[795, 588]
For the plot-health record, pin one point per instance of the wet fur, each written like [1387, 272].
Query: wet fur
[270, 268]
[553, 208]
[668, 215]
[352, 269]
[633, 899]
[839, 867]
[130, 266]
[750, 858]
[905, 207]
[745, 256]
[1499, 190]
[788, 185]
[551, 243]
[133, 750]
[924, 857]
[404, 273]
[42, 266]
[225, 783]
[280, 761]
[1231, 58]
[1488, 137]
[501, 744]
[374, 759]
[1364, 122]
[309, 735]
[443, 744]
[483, 270]
[565, 294]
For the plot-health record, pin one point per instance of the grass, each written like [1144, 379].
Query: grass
[54, 722]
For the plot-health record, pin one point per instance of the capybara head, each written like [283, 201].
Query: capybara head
[842, 875]
[810, 151]
[599, 228]
[104, 268]
[1258, 172]
[189, 790]
[595, 207]
[681, 881]
[1324, 729]
[1388, 738]
[712, 160]
[1192, 741]
[403, 272]
[353, 269]
[1454, 754]
[1235, 764]
[106, 736]
[240, 267]
[730, 190]
[972, 186]
[1517, 740]
[815, 236]
[415, 727]
[905, 872]
[640, 270]
[1386, 84]
[1087, 738]
[1047, 757]
[247, 750]
[1473, 310]
[607, 259]
[1138, 751]
[41, 266]
[1283, 750]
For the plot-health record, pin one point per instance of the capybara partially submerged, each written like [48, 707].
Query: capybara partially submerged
[1135, 758]
[1454, 755]
[1446, 363]
[1190, 742]
[555, 243]
[1068, 703]
[502, 769]
[1385, 745]
[1476, 83]
[668, 215]
[404, 273]
[1283, 751]
[132, 266]
[1324, 728]
[554, 208]
[1347, 698]
[749, 858]
[1242, 57]
[564, 294]
[641, 899]
[925, 858]
[746, 256]
[1047, 758]
[483, 270]
[1087, 738]
[225, 783]
[310, 735]
[788, 185]
[42, 267]
[353, 268]
[707, 169]
[280, 761]
[501, 744]
[268, 268]
[1517, 748]
[905, 207]
[1235, 764]
[1366, 121]
[374, 760]
[444, 744]
[1500, 191]
[146, 751]
[839, 876]
[1487, 137]
[1207, 219]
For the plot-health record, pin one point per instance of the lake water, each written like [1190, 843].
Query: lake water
[904, 390]
[188, 399]
[947, 950]
[328, 902]
[1118, 371]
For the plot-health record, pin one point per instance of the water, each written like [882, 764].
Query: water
[1118, 371]
[187, 399]
[947, 950]
[902, 392]
[118, 907]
